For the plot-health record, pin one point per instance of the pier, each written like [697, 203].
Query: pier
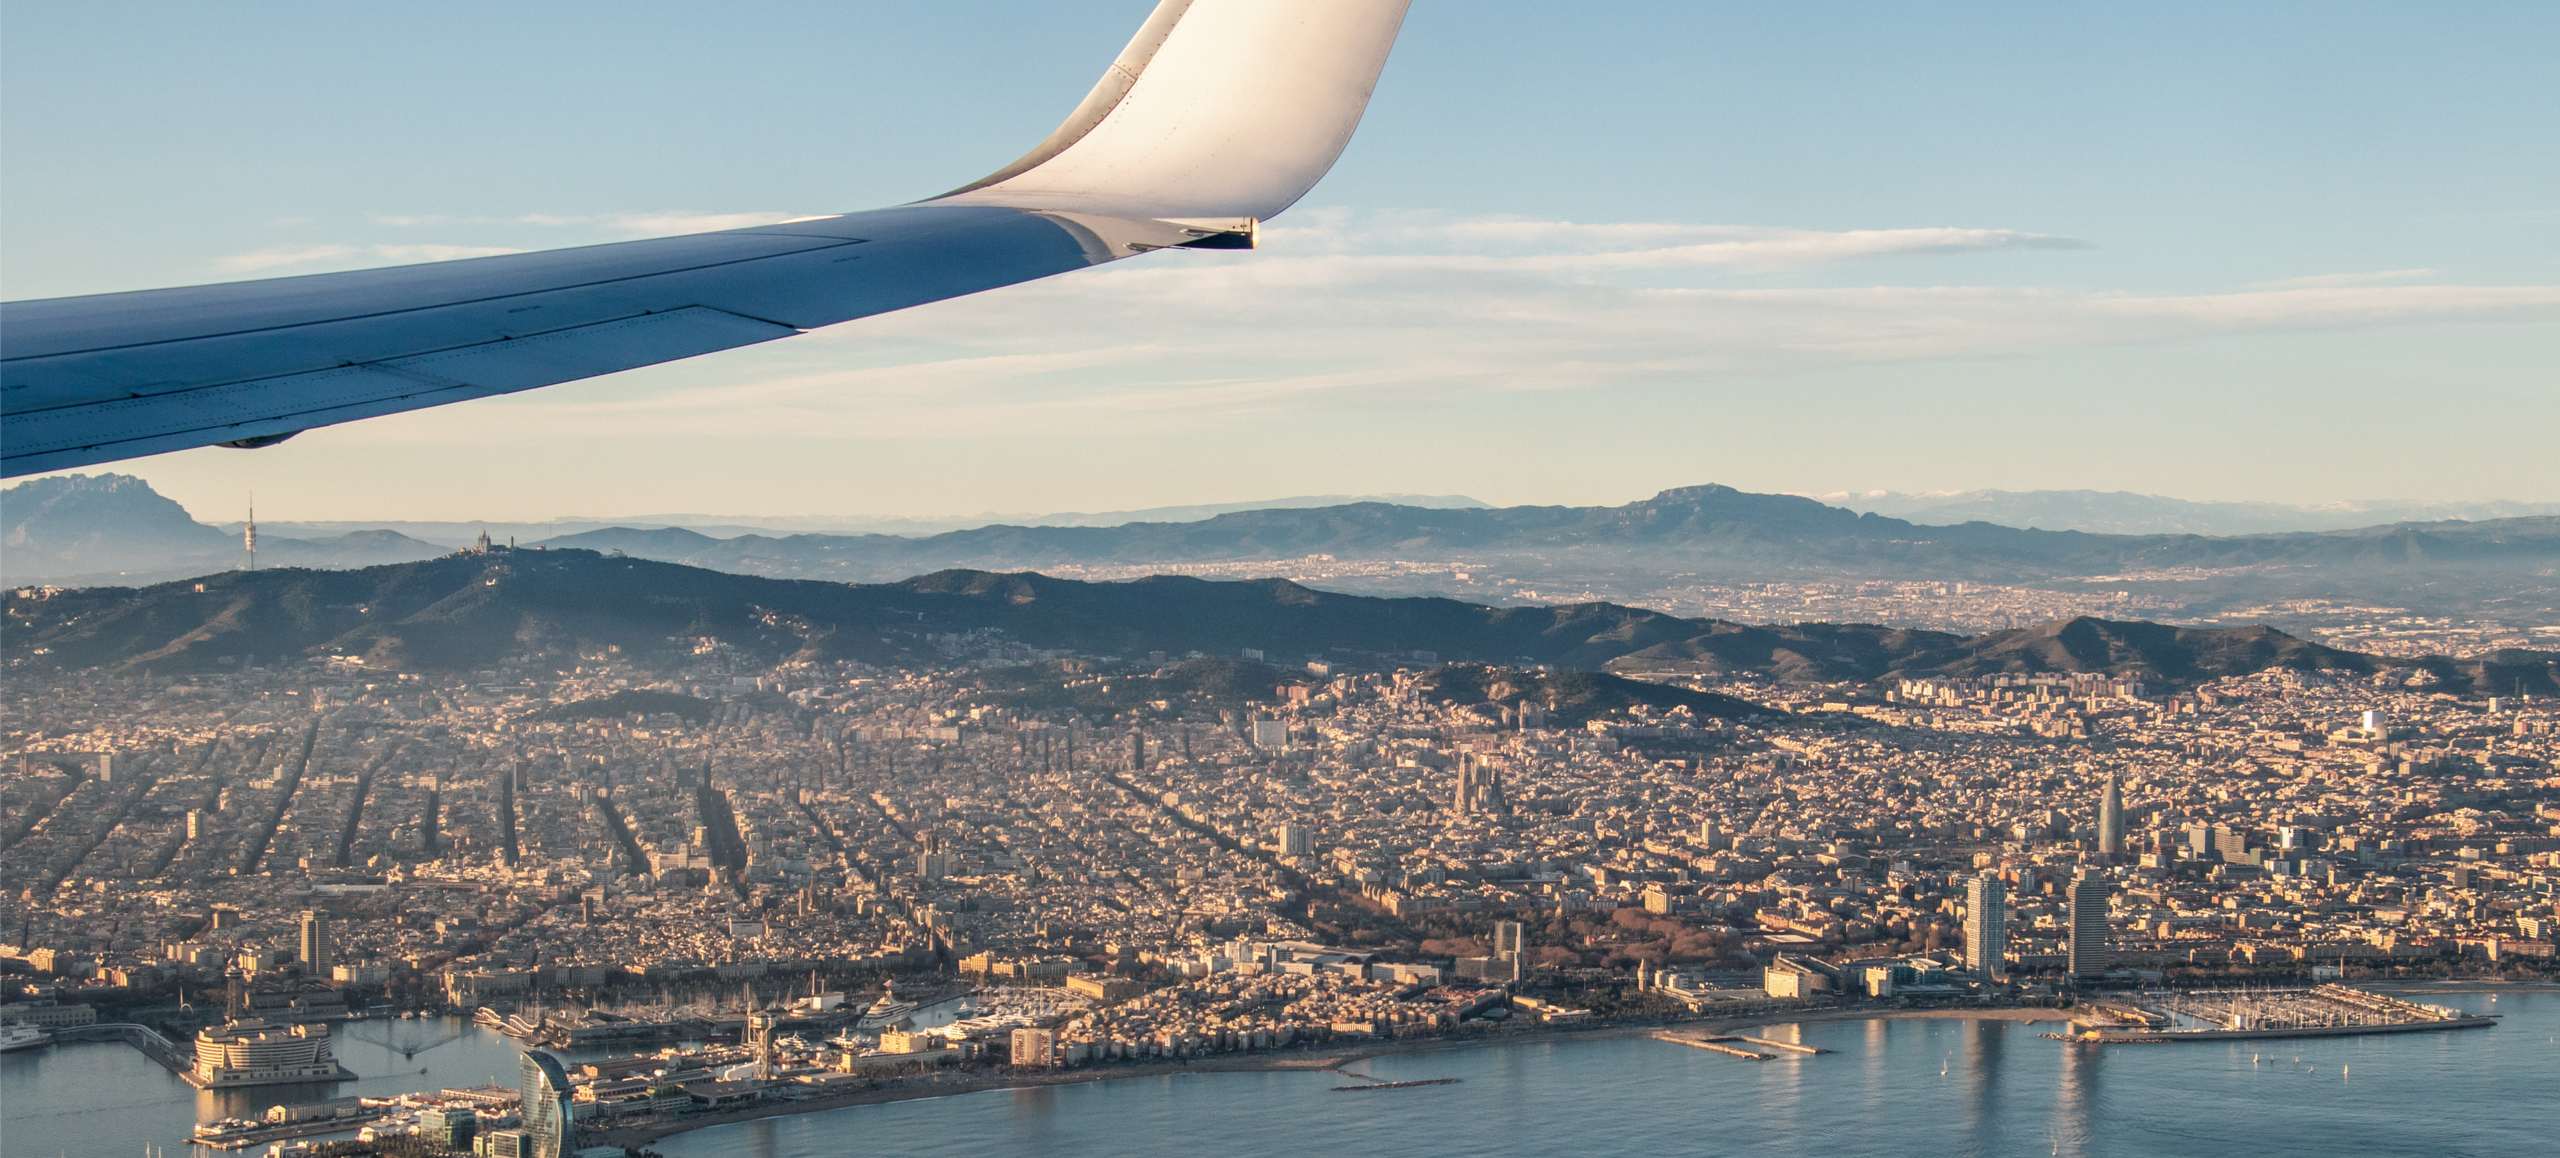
[1415, 1083]
[1720, 1043]
[141, 1037]
[1781, 1046]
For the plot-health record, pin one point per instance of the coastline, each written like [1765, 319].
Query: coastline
[1318, 1060]
[1309, 1061]
[2465, 985]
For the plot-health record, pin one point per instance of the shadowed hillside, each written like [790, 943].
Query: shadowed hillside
[550, 607]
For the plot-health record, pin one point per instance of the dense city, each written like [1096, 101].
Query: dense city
[2417, 624]
[734, 885]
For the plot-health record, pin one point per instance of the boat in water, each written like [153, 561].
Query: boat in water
[17, 1035]
[886, 1012]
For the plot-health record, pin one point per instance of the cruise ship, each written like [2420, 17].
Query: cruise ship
[255, 1053]
[15, 1035]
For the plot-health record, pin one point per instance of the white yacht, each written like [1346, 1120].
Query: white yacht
[887, 1011]
[17, 1035]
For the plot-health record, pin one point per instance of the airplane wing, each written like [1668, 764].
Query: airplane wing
[1219, 114]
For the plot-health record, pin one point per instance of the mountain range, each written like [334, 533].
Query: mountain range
[1713, 530]
[549, 607]
[2128, 513]
[458, 533]
[111, 527]
[72, 530]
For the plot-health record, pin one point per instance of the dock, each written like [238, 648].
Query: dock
[214, 1136]
[1721, 1043]
[1781, 1046]
[141, 1037]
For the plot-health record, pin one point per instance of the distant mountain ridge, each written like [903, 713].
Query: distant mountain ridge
[460, 532]
[549, 607]
[98, 528]
[111, 528]
[1709, 527]
[2129, 513]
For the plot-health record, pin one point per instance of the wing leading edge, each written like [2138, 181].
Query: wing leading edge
[1221, 113]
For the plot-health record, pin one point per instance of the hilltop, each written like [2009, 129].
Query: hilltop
[548, 607]
[115, 528]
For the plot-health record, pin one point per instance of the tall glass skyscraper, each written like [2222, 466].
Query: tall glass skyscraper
[548, 1127]
[2088, 945]
[1986, 925]
[2111, 819]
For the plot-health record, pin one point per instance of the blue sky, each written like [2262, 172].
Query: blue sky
[1577, 253]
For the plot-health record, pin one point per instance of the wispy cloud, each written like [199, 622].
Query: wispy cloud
[314, 258]
[519, 232]
[1340, 309]
[647, 223]
[2339, 280]
[1424, 240]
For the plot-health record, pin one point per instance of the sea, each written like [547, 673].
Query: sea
[1935, 1086]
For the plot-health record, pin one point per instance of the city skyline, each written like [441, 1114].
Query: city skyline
[1841, 562]
[1823, 291]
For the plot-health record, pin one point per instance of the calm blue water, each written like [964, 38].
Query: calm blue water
[105, 1099]
[2004, 1091]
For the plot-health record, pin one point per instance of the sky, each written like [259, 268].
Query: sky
[1576, 253]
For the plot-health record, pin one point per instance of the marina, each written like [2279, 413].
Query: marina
[2254, 1013]
[1984, 1085]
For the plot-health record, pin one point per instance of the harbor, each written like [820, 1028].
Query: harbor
[2241, 1014]
[51, 1092]
[1972, 1082]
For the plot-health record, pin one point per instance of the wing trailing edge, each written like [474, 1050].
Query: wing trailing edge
[1218, 115]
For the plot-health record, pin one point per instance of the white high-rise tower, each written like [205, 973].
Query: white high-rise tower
[1986, 926]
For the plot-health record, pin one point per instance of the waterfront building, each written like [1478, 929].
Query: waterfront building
[545, 1115]
[1034, 1047]
[2087, 948]
[758, 1036]
[256, 1053]
[1986, 926]
[452, 1127]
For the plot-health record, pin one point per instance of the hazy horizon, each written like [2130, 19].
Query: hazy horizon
[292, 508]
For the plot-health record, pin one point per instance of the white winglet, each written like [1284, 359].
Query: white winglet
[1220, 113]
